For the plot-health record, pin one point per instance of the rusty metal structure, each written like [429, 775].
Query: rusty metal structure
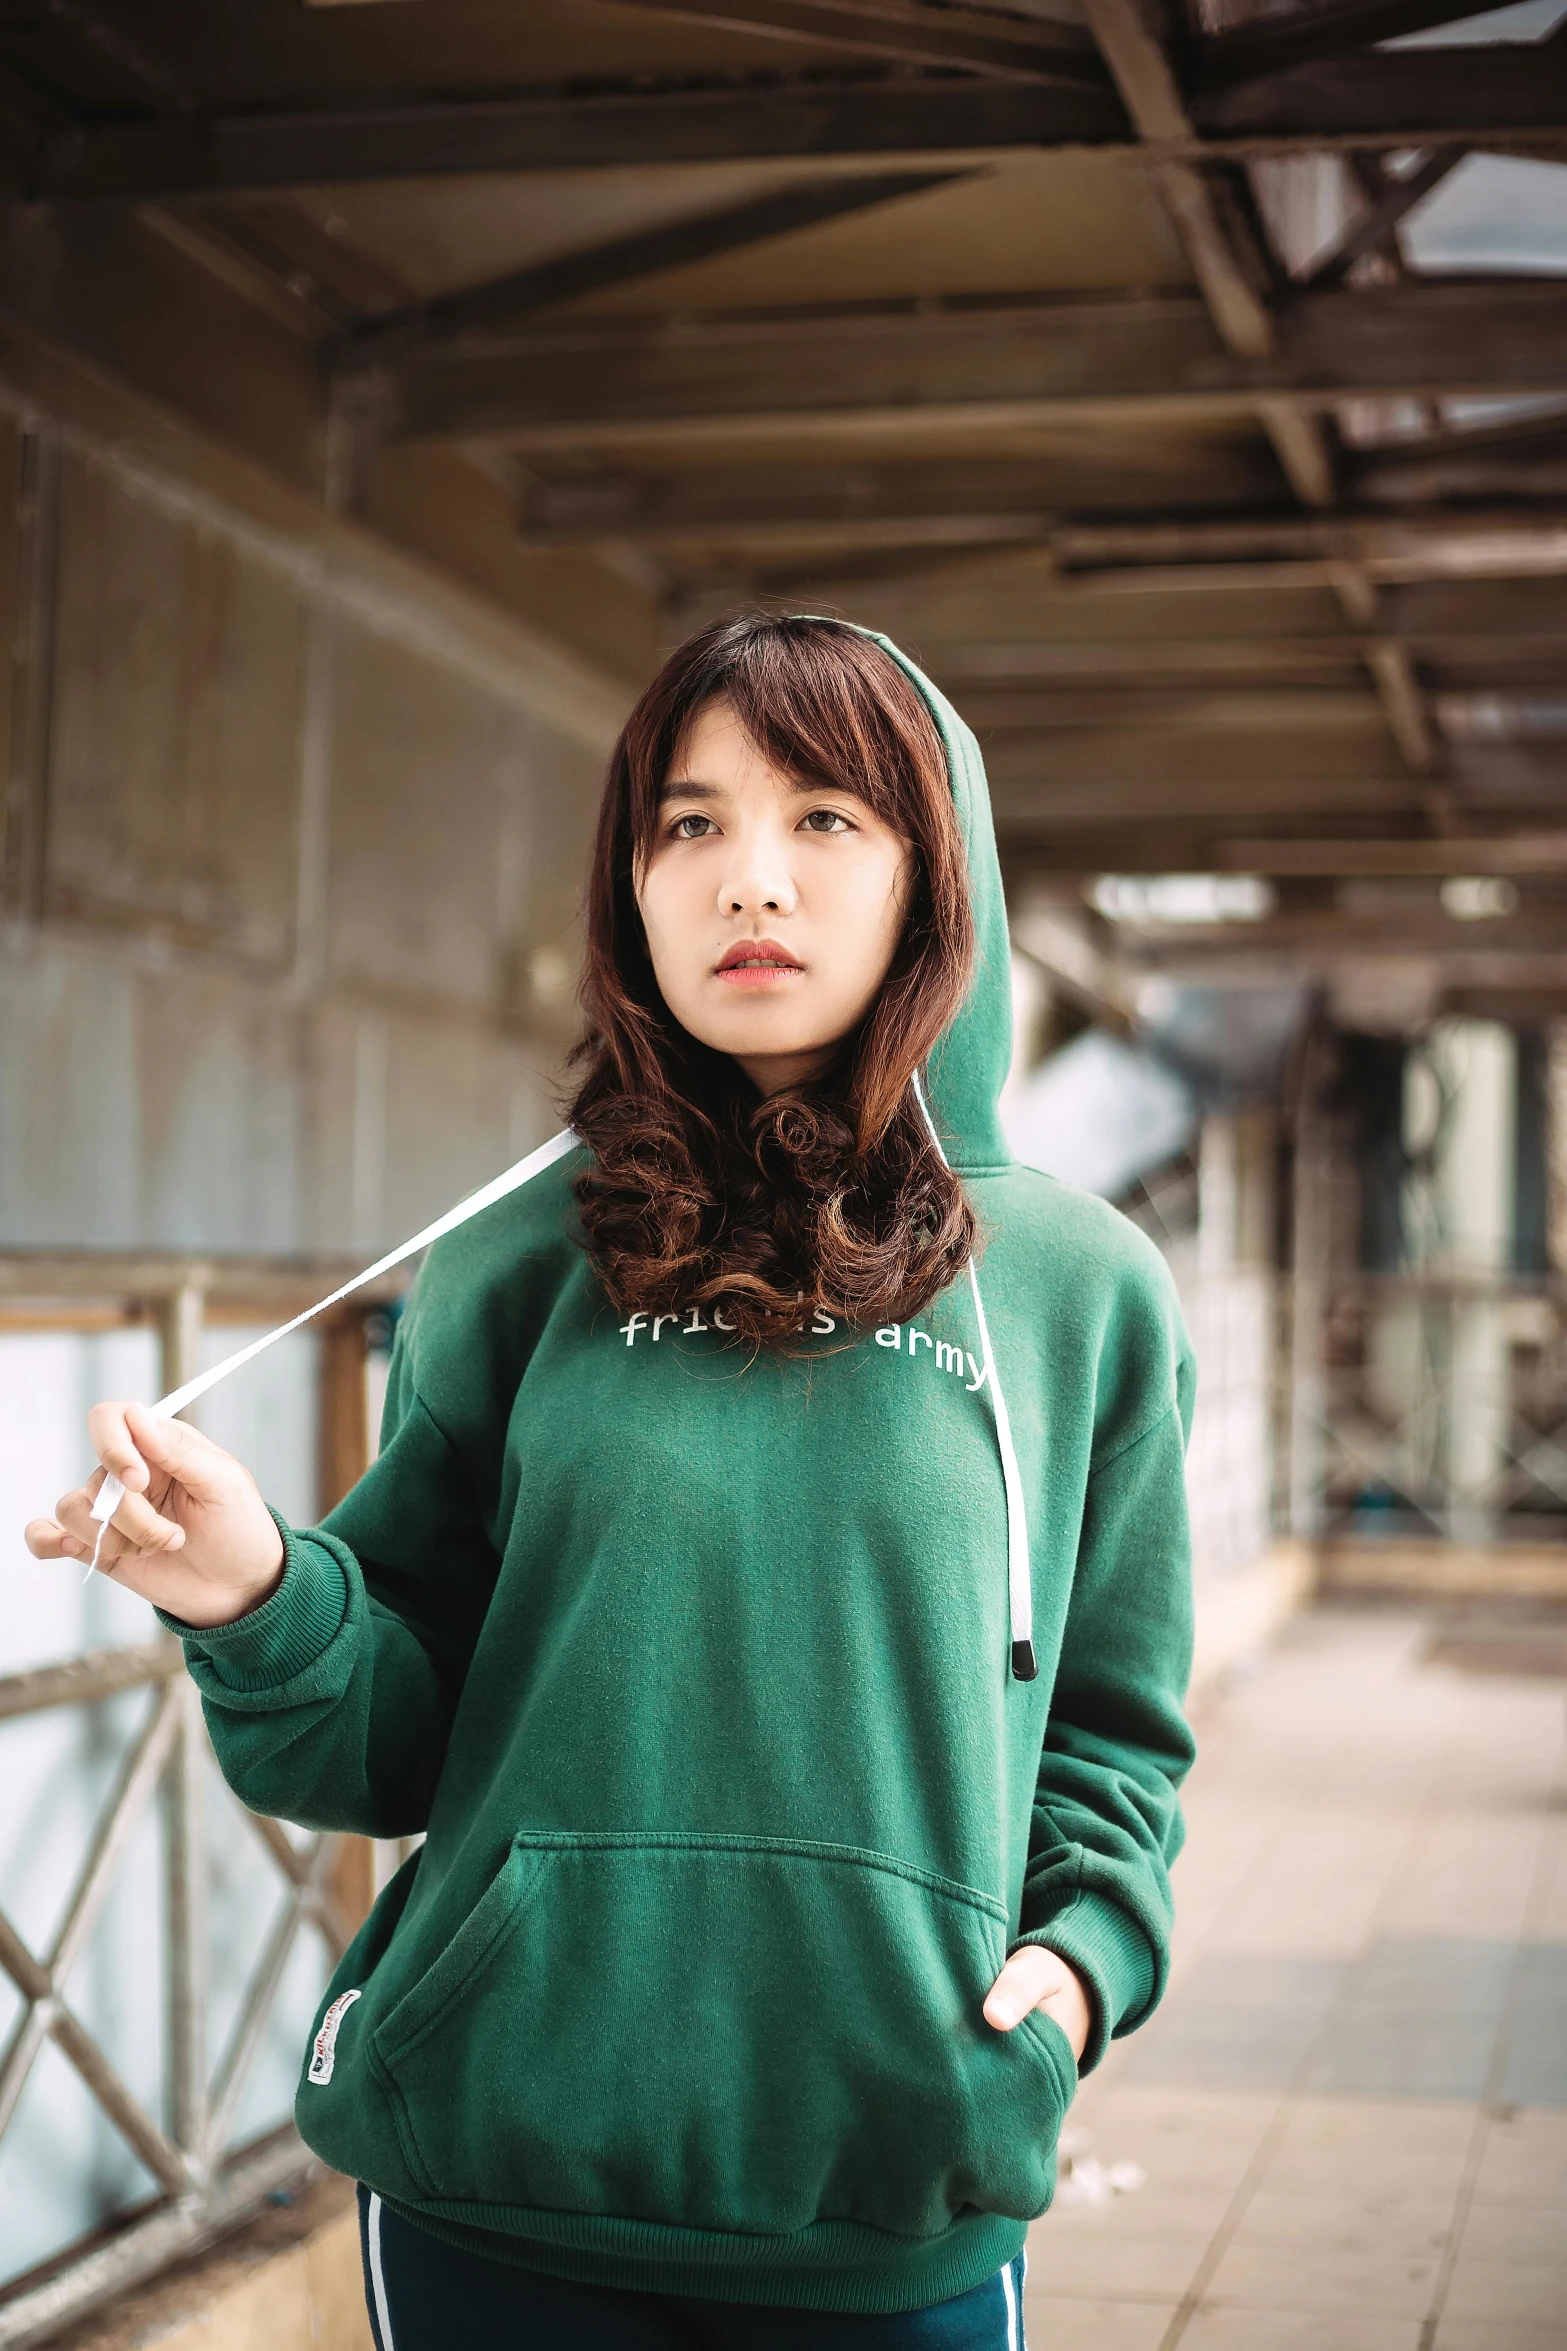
[202, 2178]
[384, 382]
[200, 2190]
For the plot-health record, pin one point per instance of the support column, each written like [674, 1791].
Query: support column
[181, 1317]
[1475, 1195]
[1309, 1298]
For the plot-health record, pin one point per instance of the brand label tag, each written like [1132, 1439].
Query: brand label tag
[324, 2054]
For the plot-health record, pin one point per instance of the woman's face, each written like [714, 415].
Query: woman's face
[772, 909]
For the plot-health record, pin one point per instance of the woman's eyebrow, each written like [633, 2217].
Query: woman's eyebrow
[685, 790]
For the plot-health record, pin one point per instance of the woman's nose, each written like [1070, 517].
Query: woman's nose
[758, 882]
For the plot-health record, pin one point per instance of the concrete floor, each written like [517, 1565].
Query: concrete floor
[1352, 2108]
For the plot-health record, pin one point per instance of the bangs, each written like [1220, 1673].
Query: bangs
[820, 703]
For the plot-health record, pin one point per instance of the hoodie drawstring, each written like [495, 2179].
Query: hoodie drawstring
[1020, 1577]
[1020, 1587]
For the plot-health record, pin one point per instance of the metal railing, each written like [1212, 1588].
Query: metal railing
[1443, 1408]
[204, 2185]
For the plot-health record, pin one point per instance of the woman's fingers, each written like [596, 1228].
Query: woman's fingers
[179, 1452]
[108, 1432]
[73, 1534]
[1038, 1978]
[189, 1528]
[47, 1539]
[144, 1529]
[1028, 1975]
[138, 1525]
[73, 1512]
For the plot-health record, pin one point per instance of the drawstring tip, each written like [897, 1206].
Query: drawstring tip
[1025, 1665]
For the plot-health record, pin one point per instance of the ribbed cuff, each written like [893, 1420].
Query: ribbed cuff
[286, 1633]
[1111, 1951]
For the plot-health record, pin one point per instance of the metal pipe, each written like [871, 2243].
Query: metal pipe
[97, 1673]
[185, 1900]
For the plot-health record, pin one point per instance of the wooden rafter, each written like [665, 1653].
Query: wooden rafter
[1326, 657]
[908, 32]
[891, 369]
[1377, 227]
[1491, 852]
[1313, 29]
[1394, 94]
[1230, 262]
[1418, 98]
[1227, 255]
[619, 261]
[1446, 543]
[1004, 502]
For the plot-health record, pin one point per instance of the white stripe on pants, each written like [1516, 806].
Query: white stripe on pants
[1016, 2339]
[383, 2317]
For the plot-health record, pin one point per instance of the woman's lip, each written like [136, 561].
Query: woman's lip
[757, 959]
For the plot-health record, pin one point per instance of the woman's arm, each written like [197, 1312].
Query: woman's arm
[330, 1662]
[1107, 1822]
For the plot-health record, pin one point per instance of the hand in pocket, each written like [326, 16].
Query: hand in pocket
[1036, 1978]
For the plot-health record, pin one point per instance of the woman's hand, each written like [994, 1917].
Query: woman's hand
[1036, 1978]
[192, 1533]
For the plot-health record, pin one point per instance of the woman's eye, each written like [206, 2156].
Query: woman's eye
[825, 820]
[692, 828]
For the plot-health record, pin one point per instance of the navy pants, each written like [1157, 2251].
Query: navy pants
[427, 2296]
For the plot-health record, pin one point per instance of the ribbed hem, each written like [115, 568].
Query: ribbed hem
[1098, 1938]
[286, 1633]
[836, 2265]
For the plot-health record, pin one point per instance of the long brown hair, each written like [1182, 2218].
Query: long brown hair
[829, 1195]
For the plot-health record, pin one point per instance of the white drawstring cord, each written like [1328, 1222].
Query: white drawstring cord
[112, 1493]
[1020, 1575]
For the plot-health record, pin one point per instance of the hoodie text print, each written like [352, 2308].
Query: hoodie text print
[945, 1355]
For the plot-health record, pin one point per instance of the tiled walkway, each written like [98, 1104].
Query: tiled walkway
[1352, 2109]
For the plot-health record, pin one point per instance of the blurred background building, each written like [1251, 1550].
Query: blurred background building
[383, 385]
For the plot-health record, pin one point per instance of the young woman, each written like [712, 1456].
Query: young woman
[771, 1597]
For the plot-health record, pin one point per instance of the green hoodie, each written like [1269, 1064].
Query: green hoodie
[699, 1673]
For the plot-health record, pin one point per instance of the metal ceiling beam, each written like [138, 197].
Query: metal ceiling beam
[1396, 923]
[621, 261]
[1311, 30]
[1414, 98]
[894, 369]
[1450, 92]
[1525, 460]
[1229, 253]
[1188, 662]
[1377, 228]
[1033, 792]
[865, 506]
[1000, 503]
[1440, 535]
[1205, 846]
[1227, 256]
[1497, 852]
[724, 121]
[907, 32]
[868, 505]
[1043, 710]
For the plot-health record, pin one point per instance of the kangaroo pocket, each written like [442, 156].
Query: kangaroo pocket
[726, 2033]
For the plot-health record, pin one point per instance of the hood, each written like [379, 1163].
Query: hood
[967, 1070]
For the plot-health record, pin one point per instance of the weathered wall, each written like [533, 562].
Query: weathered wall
[293, 837]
